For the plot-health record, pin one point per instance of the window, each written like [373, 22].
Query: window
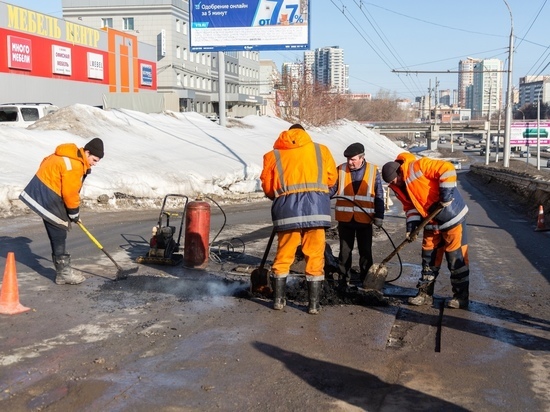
[178, 25]
[107, 22]
[128, 23]
[29, 114]
[178, 52]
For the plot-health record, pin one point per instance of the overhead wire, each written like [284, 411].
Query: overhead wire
[378, 30]
[382, 58]
[547, 51]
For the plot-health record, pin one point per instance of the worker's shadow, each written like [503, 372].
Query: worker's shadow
[353, 386]
[20, 246]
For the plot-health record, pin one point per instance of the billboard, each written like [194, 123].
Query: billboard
[526, 133]
[237, 25]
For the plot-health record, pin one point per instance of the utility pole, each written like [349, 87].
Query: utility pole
[436, 101]
[488, 123]
[509, 102]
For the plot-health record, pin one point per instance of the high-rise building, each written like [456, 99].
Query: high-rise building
[329, 69]
[533, 88]
[487, 88]
[465, 79]
[194, 77]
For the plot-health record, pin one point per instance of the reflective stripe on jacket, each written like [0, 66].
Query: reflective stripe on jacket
[428, 182]
[357, 204]
[54, 192]
[296, 175]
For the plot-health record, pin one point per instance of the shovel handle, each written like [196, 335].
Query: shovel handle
[267, 249]
[414, 233]
[96, 242]
[92, 238]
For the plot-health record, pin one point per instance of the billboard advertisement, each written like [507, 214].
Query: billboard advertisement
[527, 133]
[237, 25]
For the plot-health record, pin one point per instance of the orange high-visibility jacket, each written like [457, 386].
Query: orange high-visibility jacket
[54, 192]
[344, 209]
[428, 182]
[297, 175]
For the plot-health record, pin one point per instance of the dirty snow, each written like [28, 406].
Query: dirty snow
[150, 155]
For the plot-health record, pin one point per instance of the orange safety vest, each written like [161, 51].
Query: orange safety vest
[357, 203]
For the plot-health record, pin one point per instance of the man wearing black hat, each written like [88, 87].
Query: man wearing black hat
[359, 204]
[422, 185]
[54, 194]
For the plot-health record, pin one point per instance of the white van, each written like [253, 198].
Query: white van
[24, 114]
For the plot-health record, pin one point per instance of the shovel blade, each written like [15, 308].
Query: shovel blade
[259, 281]
[122, 274]
[376, 277]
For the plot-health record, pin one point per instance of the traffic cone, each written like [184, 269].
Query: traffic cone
[540, 220]
[9, 294]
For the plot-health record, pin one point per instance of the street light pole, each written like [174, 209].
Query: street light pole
[508, 113]
[538, 131]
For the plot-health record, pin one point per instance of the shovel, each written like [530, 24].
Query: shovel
[120, 273]
[376, 276]
[259, 278]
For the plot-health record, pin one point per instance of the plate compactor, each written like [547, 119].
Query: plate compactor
[163, 247]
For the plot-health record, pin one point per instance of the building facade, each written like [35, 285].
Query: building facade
[487, 88]
[193, 77]
[63, 62]
[329, 69]
[532, 89]
[465, 79]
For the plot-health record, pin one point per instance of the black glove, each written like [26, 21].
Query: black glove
[411, 226]
[74, 216]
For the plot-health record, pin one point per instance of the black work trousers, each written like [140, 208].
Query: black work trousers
[58, 238]
[347, 233]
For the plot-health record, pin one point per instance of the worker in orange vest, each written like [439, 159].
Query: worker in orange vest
[359, 204]
[297, 175]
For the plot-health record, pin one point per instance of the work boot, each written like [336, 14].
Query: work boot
[457, 303]
[460, 296]
[425, 286]
[279, 292]
[65, 274]
[314, 290]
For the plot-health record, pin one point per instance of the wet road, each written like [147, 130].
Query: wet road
[170, 338]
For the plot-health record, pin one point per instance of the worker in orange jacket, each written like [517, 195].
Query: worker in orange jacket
[422, 185]
[54, 194]
[297, 175]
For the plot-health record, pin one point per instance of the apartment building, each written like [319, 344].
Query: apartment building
[465, 80]
[487, 88]
[193, 77]
[329, 69]
[533, 88]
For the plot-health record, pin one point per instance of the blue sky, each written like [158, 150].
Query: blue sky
[379, 36]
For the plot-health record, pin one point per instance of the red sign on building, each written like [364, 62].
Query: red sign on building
[19, 53]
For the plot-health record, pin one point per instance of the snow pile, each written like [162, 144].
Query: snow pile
[150, 155]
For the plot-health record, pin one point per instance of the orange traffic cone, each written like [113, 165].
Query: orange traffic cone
[9, 294]
[540, 220]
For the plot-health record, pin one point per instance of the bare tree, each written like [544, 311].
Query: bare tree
[383, 107]
[302, 100]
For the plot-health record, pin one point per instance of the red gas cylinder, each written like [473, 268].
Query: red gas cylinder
[197, 233]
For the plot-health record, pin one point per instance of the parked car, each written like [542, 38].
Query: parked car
[525, 153]
[547, 162]
[24, 114]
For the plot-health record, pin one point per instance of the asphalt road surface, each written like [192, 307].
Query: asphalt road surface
[176, 339]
